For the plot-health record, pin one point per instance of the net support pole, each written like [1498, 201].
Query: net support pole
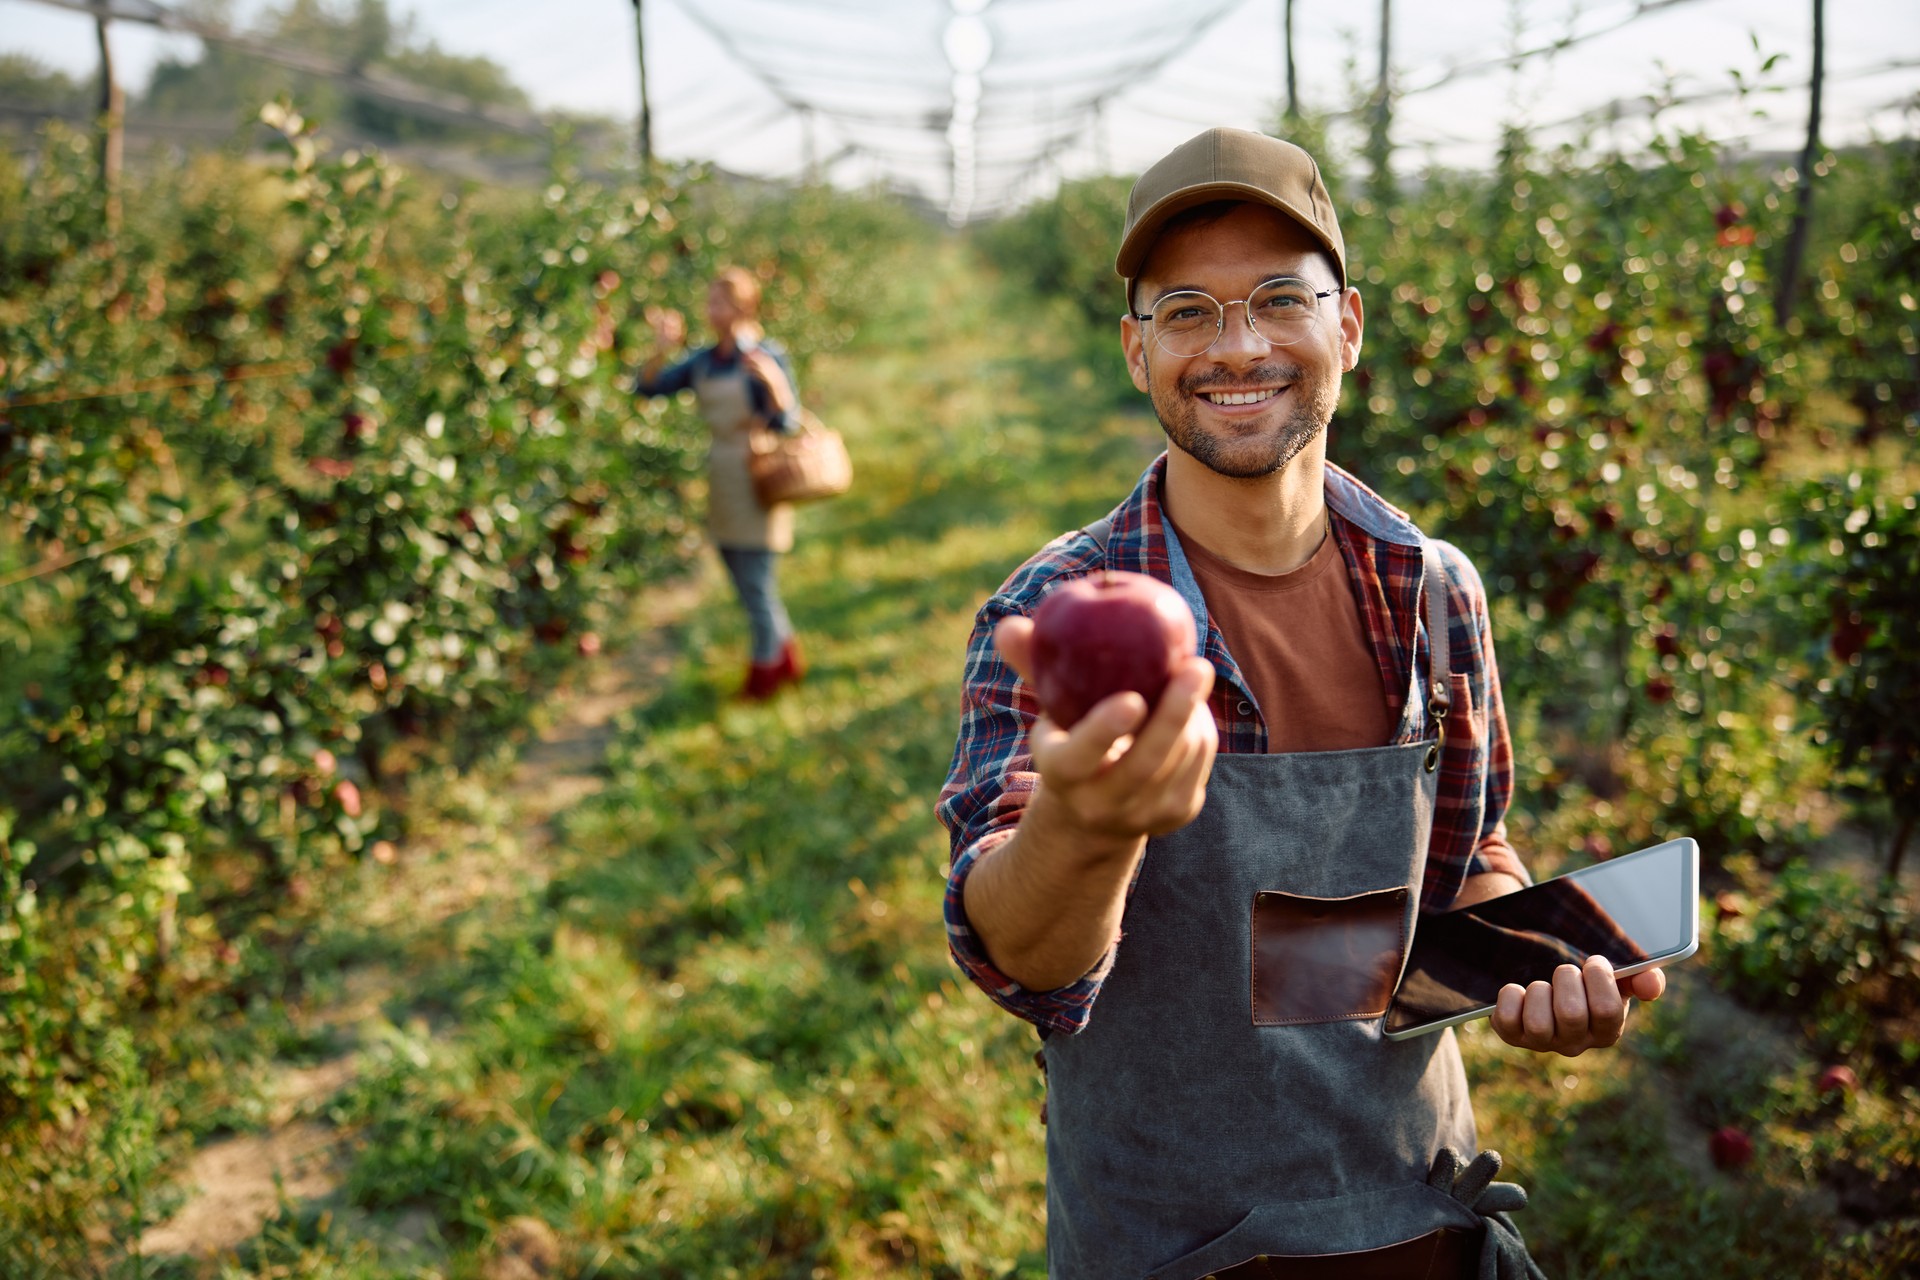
[646, 107]
[1789, 284]
[113, 119]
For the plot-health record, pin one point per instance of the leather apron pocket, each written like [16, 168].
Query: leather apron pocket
[1326, 959]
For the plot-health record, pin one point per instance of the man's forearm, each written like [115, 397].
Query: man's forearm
[1488, 884]
[1047, 904]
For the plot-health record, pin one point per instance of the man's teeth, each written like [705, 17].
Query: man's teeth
[1239, 397]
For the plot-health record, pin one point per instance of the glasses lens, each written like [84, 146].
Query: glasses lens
[1186, 323]
[1283, 311]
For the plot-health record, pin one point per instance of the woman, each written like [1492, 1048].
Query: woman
[742, 382]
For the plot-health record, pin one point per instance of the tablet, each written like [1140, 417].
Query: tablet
[1640, 911]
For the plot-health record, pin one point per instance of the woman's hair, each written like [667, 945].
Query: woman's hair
[741, 285]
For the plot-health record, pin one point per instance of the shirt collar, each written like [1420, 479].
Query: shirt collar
[1141, 540]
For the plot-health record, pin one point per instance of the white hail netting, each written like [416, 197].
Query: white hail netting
[978, 105]
[975, 106]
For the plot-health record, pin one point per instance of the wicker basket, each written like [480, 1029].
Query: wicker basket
[799, 466]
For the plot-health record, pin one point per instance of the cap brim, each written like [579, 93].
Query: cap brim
[1139, 240]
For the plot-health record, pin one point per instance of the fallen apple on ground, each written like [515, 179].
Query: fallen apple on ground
[1105, 633]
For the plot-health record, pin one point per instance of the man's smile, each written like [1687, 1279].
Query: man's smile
[1259, 396]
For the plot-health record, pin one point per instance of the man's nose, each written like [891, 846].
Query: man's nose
[1238, 340]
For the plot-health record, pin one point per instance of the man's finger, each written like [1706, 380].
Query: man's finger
[1013, 637]
[1082, 752]
[1536, 1015]
[1506, 1012]
[1648, 984]
[1606, 1009]
[1570, 1013]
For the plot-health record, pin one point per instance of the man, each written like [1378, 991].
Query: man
[1152, 887]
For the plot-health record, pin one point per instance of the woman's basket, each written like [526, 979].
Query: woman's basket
[799, 466]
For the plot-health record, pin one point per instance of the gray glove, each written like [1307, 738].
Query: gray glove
[1503, 1254]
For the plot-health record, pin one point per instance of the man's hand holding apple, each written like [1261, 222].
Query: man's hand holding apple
[1122, 771]
[1048, 903]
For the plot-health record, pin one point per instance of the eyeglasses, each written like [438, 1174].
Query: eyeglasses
[1281, 312]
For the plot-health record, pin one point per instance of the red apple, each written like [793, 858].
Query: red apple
[1105, 633]
[349, 797]
[1838, 1078]
[1730, 1147]
[1850, 636]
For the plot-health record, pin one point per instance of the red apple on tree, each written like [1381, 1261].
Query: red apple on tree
[1105, 633]
[1730, 1147]
[1838, 1078]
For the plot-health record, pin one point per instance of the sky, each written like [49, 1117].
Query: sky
[981, 104]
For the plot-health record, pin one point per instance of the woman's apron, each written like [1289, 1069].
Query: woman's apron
[735, 517]
[1232, 1095]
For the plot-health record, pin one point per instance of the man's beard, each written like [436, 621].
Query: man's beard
[1248, 457]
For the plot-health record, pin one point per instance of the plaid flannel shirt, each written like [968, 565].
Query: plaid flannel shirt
[992, 776]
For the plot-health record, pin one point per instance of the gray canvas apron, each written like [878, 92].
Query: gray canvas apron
[1232, 1095]
[735, 517]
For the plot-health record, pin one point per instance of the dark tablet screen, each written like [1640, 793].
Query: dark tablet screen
[1631, 909]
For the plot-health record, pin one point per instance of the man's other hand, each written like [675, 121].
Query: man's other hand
[1581, 1009]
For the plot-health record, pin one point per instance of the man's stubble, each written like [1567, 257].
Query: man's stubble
[1248, 457]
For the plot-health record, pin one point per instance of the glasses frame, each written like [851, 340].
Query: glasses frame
[1220, 322]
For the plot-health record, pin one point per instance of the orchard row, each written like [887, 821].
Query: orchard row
[295, 465]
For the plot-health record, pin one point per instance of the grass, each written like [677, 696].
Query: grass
[711, 1029]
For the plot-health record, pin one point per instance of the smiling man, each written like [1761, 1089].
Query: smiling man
[1204, 904]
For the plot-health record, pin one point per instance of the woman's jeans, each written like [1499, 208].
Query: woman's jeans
[752, 572]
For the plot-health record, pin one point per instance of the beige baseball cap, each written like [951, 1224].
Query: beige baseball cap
[1229, 164]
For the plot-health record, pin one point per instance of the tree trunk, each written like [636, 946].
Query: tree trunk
[113, 110]
[646, 107]
[1789, 282]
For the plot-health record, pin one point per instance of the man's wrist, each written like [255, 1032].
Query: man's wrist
[1051, 823]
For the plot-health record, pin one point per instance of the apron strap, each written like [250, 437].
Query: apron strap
[1100, 531]
[1433, 584]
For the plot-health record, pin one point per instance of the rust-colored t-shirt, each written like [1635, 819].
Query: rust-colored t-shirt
[1299, 641]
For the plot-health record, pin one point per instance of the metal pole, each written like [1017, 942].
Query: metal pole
[646, 108]
[1380, 148]
[1293, 86]
[1783, 300]
[113, 111]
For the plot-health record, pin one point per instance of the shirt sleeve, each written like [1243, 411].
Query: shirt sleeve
[988, 787]
[675, 378]
[763, 399]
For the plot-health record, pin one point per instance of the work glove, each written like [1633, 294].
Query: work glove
[1503, 1254]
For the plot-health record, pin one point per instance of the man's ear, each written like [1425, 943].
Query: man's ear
[1352, 321]
[1133, 342]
